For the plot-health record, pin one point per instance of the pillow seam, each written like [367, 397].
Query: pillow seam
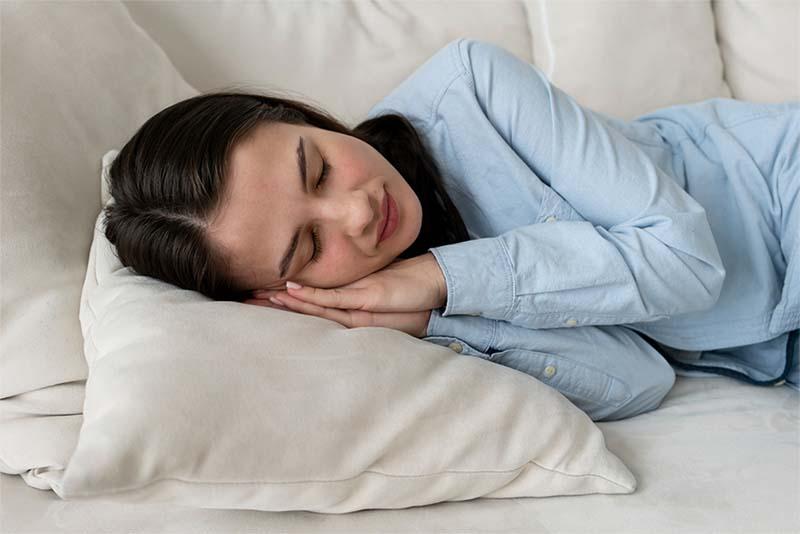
[129, 489]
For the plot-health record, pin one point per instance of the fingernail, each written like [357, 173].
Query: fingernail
[276, 301]
[292, 285]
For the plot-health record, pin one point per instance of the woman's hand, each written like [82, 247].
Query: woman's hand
[410, 285]
[414, 323]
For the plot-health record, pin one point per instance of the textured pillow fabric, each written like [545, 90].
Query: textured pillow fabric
[760, 43]
[76, 76]
[377, 44]
[218, 404]
[628, 57]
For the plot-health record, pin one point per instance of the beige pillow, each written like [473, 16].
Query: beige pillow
[628, 57]
[343, 55]
[76, 76]
[218, 404]
[760, 43]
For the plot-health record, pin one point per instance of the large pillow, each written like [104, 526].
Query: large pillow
[219, 404]
[760, 43]
[377, 44]
[76, 76]
[628, 57]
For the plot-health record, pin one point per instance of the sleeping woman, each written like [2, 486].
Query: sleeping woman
[480, 207]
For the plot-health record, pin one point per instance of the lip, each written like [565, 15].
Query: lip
[390, 220]
[384, 216]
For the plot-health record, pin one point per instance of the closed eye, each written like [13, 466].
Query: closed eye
[314, 232]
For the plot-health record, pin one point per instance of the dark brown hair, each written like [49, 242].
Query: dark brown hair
[168, 179]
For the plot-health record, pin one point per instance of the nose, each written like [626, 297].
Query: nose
[355, 212]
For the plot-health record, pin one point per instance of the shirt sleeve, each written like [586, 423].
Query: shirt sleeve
[477, 331]
[609, 372]
[643, 251]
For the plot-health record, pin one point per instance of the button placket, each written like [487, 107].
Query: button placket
[556, 208]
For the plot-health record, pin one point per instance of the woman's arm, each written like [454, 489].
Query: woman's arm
[645, 250]
[610, 372]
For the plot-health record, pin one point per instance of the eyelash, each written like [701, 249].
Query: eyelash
[314, 234]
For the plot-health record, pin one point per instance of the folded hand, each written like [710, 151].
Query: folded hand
[414, 323]
[400, 296]
[413, 284]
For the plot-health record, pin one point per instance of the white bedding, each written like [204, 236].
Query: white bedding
[712, 442]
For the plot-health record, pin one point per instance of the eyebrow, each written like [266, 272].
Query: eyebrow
[286, 261]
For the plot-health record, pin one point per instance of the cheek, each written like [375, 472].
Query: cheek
[356, 171]
[360, 162]
[344, 261]
[335, 252]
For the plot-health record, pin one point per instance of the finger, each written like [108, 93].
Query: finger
[344, 299]
[265, 293]
[277, 302]
[263, 302]
[340, 316]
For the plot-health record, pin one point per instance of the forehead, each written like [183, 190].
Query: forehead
[261, 174]
[265, 143]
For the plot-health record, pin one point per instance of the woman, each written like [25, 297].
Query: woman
[482, 208]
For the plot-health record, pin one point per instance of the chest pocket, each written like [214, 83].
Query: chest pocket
[554, 208]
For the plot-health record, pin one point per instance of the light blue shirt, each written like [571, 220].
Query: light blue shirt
[578, 219]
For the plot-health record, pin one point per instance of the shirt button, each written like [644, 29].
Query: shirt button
[571, 322]
[549, 371]
[550, 218]
[455, 346]
[782, 382]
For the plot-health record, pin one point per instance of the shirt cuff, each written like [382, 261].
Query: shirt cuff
[475, 331]
[479, 277]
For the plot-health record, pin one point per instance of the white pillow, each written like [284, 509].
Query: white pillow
[760, 43]
[215, 43]
[628, 57]
[77, 76]
[219, 404]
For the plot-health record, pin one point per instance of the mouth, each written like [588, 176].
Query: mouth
[384, 216]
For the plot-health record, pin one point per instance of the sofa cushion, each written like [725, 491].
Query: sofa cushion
[343, 55]
[76, 77]
[760, 43]
[628, 57]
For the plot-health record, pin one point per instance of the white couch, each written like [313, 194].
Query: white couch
[716, 455]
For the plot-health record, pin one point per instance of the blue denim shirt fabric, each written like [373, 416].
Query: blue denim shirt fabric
[578, 219]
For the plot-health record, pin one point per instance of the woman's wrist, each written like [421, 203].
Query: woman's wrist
[440, 298]
[424, 332]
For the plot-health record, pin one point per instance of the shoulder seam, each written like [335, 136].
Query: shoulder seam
[461, 72]
[460, 57]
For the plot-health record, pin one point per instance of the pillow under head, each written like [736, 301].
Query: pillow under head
[219, 404]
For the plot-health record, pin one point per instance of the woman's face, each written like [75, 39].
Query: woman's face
[267, 201]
